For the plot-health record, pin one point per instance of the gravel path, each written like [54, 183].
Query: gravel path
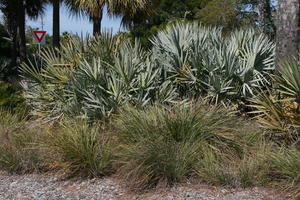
[42, 187]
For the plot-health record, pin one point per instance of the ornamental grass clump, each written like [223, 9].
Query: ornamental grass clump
[75, 147]
[17, 145]
[170, 144]
[286, 169]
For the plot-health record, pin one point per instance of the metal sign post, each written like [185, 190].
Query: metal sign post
[39, 45]
[39, 39]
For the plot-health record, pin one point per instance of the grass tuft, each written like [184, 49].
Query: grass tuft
[77, 148]
[167, 145]
[17, 152]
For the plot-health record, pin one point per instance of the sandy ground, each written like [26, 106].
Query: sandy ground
[42, 187]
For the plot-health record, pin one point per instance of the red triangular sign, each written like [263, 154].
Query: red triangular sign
[39, 35]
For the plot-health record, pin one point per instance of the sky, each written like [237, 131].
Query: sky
[72, 24]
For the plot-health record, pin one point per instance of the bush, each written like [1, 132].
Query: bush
[70, 147]
[92, 85]
[200, 60]
[74, 147]
[278, 109]
[167, 145]
[11, 98]
[93, 77]
[153, 146]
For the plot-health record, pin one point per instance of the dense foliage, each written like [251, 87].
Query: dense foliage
[201, 61]
[278, 108]
[11, 97]
[155, 145]
[93, 77]
[168, 144]
[159, 116]
[228, 14]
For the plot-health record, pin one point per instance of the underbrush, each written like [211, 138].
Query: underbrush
[74, 147]
[11, 98]
[155, 146]
[17, 147]
[163, 145]
[286, 169]
[71, 147]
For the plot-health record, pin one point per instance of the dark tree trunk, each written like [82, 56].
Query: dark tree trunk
[287, 36]
[265, 21]
[21, 26]
[271, 28]
[262, 15]
[97, 23]
[12, 25]
[14, 47]
[56, 24]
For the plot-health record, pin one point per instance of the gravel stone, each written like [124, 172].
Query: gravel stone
[47, 187]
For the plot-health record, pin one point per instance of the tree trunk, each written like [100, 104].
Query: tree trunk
[12, 24]
[262, 15]
[21, 26]
[287, 36]
[265, 21]
[271, 28]
[14, 47]
[97, 23]
[56, 24]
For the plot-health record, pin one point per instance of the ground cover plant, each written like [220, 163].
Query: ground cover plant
[74, 147]
[17, 151]
[169, 144]
[156, 145]
[68, 147]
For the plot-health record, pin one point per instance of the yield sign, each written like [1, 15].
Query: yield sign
[39, 36]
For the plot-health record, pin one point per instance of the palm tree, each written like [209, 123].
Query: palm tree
[124, 8]
[8, 7]
[74, 7]
[21, 25]
[16, 22]
[56, 18]
[56, 22]
[94, 9]
[134, 12]
[287, 36]
[31, 8]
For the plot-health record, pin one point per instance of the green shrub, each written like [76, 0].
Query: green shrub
[11, 98]
[278, 108]
[74, 147]
[169, 144]
[201, 60]
[288, 80]
[92, 85]
[11, 122]
[71, 147]
[254, 167]
[93, 77]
